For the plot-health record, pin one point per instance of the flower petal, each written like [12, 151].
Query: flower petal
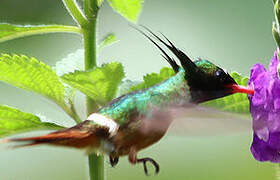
[256, 70]
[265, 110]
[263, 152]
[273, 65]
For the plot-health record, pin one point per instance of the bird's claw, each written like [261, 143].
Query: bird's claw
[145, 160]
[114, 161]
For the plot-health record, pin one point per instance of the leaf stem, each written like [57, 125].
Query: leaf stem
[275, 33]
[75, 11]
[34, 30]
[96, 163]
[74, 114]
[71, 112]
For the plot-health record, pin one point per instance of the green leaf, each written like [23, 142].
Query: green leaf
[237, 103]
[13, 121]
[130, 9]
[99, 84]
[33, 75]
[154, 78]
[9, 31]
[109, 39]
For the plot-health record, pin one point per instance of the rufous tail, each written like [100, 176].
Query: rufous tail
[80, 136]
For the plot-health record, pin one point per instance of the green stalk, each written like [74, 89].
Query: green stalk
[88, 24]
[96, 167]
[95, 162]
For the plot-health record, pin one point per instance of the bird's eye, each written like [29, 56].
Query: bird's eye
[220, 74]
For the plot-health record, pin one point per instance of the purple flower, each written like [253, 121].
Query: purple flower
[265, 110]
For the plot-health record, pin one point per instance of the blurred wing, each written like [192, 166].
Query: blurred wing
[195, 121]
[203, 121]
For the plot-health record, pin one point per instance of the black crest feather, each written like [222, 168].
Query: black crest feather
[170, 60]
[188, 65]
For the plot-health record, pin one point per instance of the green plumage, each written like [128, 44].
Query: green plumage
[206, 66]
[158, 95]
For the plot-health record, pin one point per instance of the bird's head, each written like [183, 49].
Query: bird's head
[208, 81]
[205, 80]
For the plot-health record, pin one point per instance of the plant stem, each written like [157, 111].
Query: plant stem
[90, 44]
[96, 163]
[88, 25]
[96, 167]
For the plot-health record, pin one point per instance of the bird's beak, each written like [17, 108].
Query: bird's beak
[235, 88]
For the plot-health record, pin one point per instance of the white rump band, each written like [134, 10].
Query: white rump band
[105, 121]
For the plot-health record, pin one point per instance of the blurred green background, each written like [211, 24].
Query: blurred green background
[233, 34]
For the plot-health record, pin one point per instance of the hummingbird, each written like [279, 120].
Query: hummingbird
[138, 119]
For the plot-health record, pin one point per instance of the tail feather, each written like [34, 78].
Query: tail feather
[71, 138]
[80, 136]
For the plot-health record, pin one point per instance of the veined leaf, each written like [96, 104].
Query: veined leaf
[237, 103]
[99, 84]
[13, 121]
[9, 31]
[130, 9]
[107, 40]
[33, 75]
[154, 78]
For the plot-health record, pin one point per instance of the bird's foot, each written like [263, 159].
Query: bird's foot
[132, 157]
[145, 160]
[114, 161]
